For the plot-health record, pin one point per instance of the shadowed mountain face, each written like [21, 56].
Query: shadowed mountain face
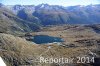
[88, 14]
[51, 15]
[30, 18]
[55, 15]
[9, 22]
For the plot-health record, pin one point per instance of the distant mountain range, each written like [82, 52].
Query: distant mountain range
[54, 14]
[30, 17]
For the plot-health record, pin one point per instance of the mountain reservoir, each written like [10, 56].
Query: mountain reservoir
[41, 39]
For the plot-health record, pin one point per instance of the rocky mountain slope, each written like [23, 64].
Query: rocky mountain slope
[27, 18]
[9, 22]
[55, 15]
[79, 42]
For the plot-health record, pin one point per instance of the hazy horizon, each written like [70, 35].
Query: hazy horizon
[51, 2]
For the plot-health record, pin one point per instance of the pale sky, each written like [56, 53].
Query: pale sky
[51, 2]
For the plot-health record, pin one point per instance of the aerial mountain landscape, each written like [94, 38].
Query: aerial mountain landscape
[29, 32]
[54, 14]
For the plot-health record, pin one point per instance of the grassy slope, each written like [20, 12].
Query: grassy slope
[17, 51]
